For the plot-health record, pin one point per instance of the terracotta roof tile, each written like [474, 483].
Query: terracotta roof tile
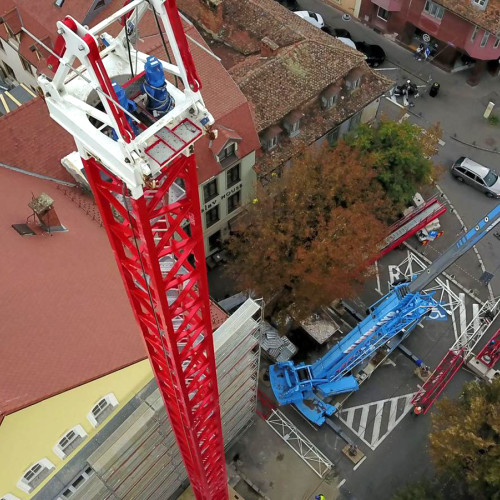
[488, 18]
[68, 319]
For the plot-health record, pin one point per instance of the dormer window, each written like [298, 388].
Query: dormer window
[291, 123]
[330, 96]
[480, 3]
[270, 138]
[227, 152]
[354, 79]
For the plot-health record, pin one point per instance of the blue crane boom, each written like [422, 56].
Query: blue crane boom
[394, 316]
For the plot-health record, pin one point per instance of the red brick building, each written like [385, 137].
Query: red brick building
[467, 32]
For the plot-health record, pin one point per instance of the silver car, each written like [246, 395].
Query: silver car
[478, 176]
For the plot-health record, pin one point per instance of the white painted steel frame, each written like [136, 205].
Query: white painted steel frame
[306, 450]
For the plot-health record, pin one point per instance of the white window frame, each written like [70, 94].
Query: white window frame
[59, 450]
[497, 43]
[330, 101]
[484, 40]
[434, 10]
[294, 128]
[272, 142]
[23, 485]
[474, 33]
[110, 398]
[480, 3]
[385, 19]
[355, 84]
[224, 156]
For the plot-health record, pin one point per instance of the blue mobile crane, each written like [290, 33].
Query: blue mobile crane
[390, 320]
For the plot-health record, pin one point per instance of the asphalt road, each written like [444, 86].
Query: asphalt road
[402, 457]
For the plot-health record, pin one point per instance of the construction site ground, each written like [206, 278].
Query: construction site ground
[264, 462]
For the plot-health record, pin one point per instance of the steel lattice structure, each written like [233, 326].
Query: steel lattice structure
[170, 302]
[138, 159]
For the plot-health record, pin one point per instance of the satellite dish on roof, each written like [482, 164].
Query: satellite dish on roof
[346, 17]
[426, 37]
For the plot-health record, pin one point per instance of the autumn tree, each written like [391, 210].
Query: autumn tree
[401, 154]
[465, 441]
[464, 447]
[311, 232]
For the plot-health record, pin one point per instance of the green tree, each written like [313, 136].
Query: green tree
[311, 232]
[465, 441]
[422, 490]
[401, 154]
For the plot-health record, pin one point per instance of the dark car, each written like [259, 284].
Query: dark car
[337, 32]
[375, 54]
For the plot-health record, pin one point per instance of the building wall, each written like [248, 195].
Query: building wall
[247, 188]
[139, 459]
[10, 56]
[350, 6]
[451, 29]
[30, 434]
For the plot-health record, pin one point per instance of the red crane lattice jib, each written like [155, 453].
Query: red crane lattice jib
[438, 380]
[490, 353]
[168, 291]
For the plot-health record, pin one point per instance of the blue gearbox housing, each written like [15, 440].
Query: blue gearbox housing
[159, 100]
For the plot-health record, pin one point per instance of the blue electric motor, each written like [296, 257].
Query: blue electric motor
[127, 104]
[159, 100]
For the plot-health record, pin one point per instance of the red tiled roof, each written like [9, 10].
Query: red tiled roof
[42, 20]
[30, 129]
[31, 140]
[66, 319]
[488, 18]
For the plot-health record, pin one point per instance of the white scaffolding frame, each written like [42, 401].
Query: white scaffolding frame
[306, 450]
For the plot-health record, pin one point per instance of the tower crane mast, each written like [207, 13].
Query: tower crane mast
[135, 136]
[390, 320]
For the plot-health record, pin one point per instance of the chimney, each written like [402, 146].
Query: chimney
[43, 206]
[268, 48]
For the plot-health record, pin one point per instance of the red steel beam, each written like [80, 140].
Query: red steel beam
[490, 353]
[162, 264]
[438, 380]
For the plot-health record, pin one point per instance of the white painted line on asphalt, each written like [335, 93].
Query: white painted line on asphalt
[359, 463]
[350, 418]
[441, 142]
[362, 422]
[376, 423]
[341, 483]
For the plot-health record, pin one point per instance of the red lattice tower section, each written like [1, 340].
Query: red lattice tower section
[490, 353]
[157, 240]
[439, 379]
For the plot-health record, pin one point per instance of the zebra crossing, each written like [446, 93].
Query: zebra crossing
[373, 422]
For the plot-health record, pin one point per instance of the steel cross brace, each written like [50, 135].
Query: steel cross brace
[162, 267]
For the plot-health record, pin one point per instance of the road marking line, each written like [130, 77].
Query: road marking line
[341, 483]
[362, 422]
[350, 418]
[359, 463]
[376, 422]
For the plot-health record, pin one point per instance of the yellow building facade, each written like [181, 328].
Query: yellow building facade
[37, 441]
[350, 6]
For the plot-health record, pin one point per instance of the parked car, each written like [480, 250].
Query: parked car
[375, 54]
[311, 17]
[476, 175]
[337, 32]
[347, 41]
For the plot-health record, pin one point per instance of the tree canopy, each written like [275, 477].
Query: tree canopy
[464, 447]
[401, 155]
[311, 232]
[465, 441]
